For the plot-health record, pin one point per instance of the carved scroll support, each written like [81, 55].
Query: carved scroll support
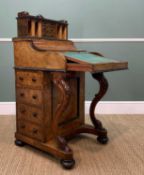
[98, 128]
[59, 81]
[102, 132]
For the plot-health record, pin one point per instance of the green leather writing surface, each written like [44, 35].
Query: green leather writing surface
[88, 57]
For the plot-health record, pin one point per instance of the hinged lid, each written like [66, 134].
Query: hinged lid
[85, 61]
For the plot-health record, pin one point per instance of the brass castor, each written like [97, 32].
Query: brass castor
[102, 139]
[67, 164]
[19, 143]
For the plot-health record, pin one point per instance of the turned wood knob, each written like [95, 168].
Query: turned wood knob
[21, 78]
[35, 114]
[35, 131]
[22, 126]
[22, 94]
[23, 111]
[34, 96]
[33, 79]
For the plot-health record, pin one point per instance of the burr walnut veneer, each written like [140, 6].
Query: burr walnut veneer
[50, 87]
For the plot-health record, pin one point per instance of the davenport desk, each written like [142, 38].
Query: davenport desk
[50, 87]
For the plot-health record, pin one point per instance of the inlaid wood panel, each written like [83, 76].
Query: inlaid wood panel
[28, 56]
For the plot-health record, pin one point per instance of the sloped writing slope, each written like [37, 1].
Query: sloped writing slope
[85, 61]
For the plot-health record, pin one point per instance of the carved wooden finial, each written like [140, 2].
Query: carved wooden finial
[63, 21]
[23, 13]
[40, 16]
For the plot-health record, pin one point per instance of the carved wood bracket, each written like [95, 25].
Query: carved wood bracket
[102, 90]
[59, 80]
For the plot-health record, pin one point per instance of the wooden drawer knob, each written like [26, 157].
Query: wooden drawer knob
[21, 78]
[35, 131]
[34, 96]
[23, 111]
[34, 80]
[35, 114]
[22, 94]
[23, 126]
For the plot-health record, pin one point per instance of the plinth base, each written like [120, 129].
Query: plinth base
[63, 152]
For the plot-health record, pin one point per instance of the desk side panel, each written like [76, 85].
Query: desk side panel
[26, 56]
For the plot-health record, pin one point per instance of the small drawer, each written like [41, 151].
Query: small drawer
[32, 114]
[29, 96]
[29, 78]
[30, 130]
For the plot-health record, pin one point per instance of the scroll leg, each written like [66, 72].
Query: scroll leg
[61, 84]
[101, 131]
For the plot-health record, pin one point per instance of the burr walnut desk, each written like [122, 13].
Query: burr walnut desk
[50, 87]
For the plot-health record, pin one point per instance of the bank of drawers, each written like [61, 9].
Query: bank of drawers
[29, 96]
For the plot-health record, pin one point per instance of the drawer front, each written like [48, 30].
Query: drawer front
[30, 130]
[29, 96]
[31, 114]
[27, 78]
